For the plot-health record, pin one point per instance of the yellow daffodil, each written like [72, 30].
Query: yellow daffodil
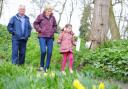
[52, 74]
[81, 87]
[94, 87]
[45, 74]
[101, 85]
[38, 75]
[78, 85]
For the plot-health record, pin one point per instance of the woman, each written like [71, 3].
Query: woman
[45, 25]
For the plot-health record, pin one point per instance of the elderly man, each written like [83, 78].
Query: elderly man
[20, 28]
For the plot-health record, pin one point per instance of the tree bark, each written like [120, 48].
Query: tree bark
[1, 7]
[100, 22]
[115, 34]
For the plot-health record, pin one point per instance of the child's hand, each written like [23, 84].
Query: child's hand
[58, 41]
[75, 38]
[60, 38]
[74, 43]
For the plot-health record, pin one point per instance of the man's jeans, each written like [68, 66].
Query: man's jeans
[18, 51]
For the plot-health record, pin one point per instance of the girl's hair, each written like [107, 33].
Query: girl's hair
[66, 26]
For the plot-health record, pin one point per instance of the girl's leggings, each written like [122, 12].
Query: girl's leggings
[70, 57]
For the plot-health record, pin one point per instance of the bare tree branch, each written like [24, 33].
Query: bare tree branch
[73, 5]
[120, 14]
[60, 14]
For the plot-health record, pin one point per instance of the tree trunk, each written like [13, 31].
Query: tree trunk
[1, 7]
[100, 22]
[115, 34]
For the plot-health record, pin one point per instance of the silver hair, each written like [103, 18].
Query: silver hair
[22, 6]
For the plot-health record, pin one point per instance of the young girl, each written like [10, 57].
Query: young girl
[66, 42]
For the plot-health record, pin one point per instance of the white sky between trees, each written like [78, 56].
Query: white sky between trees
[11, 9]
[11, 6]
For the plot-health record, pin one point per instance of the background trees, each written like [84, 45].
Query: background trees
[1, 6]
[66, 9]
[117, 20]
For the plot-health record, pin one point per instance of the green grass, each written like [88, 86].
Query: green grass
[27, 76]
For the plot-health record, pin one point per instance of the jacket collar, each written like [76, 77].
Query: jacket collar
[43, 14]
[18, 16]
[69, 32]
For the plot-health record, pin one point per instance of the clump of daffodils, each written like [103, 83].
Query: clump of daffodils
[78, 85]
[94, 87]
[50, 74]
[39, 75]
[45, 74]
[101, 85]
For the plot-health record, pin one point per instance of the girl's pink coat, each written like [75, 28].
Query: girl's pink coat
[66, 41]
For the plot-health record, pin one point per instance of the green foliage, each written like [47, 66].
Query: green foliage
[33, 52]
[110, 60]
[112, 57]
[27, 77]
[4, 43]
[85, 24]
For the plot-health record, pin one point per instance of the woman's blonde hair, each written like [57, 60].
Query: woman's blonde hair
[47, 7]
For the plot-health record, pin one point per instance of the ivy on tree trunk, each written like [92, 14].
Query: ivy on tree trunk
[100, 24]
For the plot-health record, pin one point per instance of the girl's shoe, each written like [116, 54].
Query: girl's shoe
[63, 72]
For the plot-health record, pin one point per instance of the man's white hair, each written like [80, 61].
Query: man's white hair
[22, 6]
